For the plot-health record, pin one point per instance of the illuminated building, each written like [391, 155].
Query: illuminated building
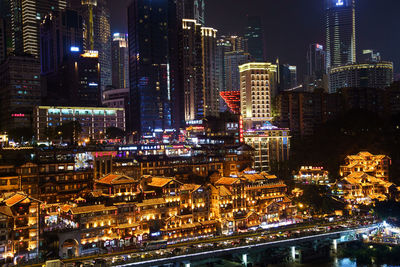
[361, 188]
[340, 32]
[232, 100]
[374, 165]
[61, 33]
[194, 9]
[366, 75]
[312, 175]
[94, 121]
[120, 61]
[156, 93]
[193, 64]
[249, 199]
[210, 81]
[26, 17]
[271, 145]
[20, 89]
[254, 33]
[21, 213]
[258, 82]
[116, 98]
[364, 178]
[316, 67]
[97, 34]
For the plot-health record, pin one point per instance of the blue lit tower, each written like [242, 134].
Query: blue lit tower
[156, 99]
[255, 38]
[340, 32]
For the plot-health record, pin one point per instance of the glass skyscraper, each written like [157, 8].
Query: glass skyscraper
[255, 38]
[340, 32]
[156, 98]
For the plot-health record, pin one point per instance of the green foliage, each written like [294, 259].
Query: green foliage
[388, 209]
[20, 134]
[318, 201]
[114, 133]
[349, 133]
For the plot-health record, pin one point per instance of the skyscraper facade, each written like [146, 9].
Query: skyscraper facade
[287, 77]
[3, 42]
[156, 96]
[97, 34]
[120, 61]
[255, 38]
[194, 9]
[340, 32]
[192, 70]
[26, 16]
[232, 62]
[316, 67]
[61, 34]
[20, 91]
[210, 80]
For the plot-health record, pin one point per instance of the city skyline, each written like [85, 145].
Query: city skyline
[310, 30]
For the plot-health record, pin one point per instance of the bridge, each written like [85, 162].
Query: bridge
[293, 244]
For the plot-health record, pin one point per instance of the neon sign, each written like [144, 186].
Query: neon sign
[339, 3]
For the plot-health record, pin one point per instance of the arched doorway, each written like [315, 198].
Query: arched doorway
[70, 248]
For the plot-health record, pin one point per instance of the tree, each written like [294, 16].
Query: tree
[21, 134]
[114, 133]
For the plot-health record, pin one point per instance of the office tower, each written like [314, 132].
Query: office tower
[26, 16]
[366, 75]
[210, 79]
[20, 91]
[192, 70]
[3, 40]
[120, 61]
[81, 79]
[287, 77]
[255, 38]
[370, 55]
[232, 62]
[194, 9]
[97, 34]
[340, 32]
[77, 82]
[61, 34]
[223, 46]
[156, 96]
[257, 82]
[302, 112]
[316, 61]
[316, 67]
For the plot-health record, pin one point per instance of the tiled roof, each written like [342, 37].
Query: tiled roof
[15, 199]
[223, 191]
[6, 211]
[190, 187]
[226, 181]
[159, 182]
[153, 201]
[92, 208]
[115, 179]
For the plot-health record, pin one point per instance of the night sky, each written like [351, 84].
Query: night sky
[291, 25]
